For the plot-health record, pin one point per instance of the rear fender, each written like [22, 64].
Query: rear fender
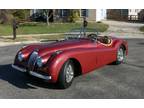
[124, 44]
[119, 43]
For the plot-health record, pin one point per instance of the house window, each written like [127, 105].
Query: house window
[84, 12]
[64, 12]
[124, 12]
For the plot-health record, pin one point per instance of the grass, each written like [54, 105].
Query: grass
[42, 28]
[5, 30]
[142, 28]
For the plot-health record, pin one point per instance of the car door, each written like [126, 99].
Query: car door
[106, 54]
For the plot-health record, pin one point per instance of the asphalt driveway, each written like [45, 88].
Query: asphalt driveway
[111, 81]
[124, 29]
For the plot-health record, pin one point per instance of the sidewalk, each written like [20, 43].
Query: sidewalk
[27, 39]
[27, 35]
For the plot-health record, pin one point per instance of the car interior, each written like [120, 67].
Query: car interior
[104, 39]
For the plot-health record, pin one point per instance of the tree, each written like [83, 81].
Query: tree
[48, 13]
[21, 14]
[5, 16]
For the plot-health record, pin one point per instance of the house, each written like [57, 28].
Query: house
[92, 15]
[117, 14]
[101, 14]
[133, 14]
[125, 14]
[141, 15]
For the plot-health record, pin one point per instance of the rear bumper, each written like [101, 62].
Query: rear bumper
[32, 73]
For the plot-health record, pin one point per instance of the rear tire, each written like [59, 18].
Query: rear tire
[121, 56]
[66, 75]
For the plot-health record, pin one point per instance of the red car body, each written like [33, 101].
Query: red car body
[88, 55]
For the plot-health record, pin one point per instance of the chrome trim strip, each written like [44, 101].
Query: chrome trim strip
[40, 75]
[32, 73]
[18, 68]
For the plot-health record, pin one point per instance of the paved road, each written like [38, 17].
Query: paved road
[124, 29]
[123, 81]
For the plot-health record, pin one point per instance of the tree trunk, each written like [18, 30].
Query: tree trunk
[47, 19]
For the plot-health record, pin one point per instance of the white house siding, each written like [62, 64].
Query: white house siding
[101, 14]
[96, 14]
[133, 14]
[91, 15]
[134, 11]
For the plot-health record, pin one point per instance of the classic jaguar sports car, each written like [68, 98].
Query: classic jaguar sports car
[79, 53]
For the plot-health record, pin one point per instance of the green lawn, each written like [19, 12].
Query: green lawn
[142, 29]
[42, 28]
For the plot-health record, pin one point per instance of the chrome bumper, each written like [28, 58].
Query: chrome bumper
[32, 73]
[40, 75]
[18, 68]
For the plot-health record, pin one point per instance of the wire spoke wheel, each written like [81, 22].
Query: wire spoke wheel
[120, 55]
[66, 75]
[69, 73]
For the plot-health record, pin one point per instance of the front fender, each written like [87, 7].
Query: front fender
[56, 63]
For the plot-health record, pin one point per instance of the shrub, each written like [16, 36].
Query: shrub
[142, 28]
[74, 15]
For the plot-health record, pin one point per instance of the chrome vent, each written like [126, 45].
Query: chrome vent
[32, 60]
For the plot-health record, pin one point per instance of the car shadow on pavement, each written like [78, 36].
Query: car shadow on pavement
[22, 80]
[138, 66]
[141, 43]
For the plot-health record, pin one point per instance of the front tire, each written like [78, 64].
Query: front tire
[121, 56]
[66, 75]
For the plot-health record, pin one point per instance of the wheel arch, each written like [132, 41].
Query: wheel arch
[123, 46]
[77, 66]
[57, 63]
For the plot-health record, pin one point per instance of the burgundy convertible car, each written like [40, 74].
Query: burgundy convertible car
[80, 53]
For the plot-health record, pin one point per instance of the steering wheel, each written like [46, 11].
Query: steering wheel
[106, 40]
[92, 36]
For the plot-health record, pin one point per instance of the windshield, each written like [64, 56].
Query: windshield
[80, 33]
